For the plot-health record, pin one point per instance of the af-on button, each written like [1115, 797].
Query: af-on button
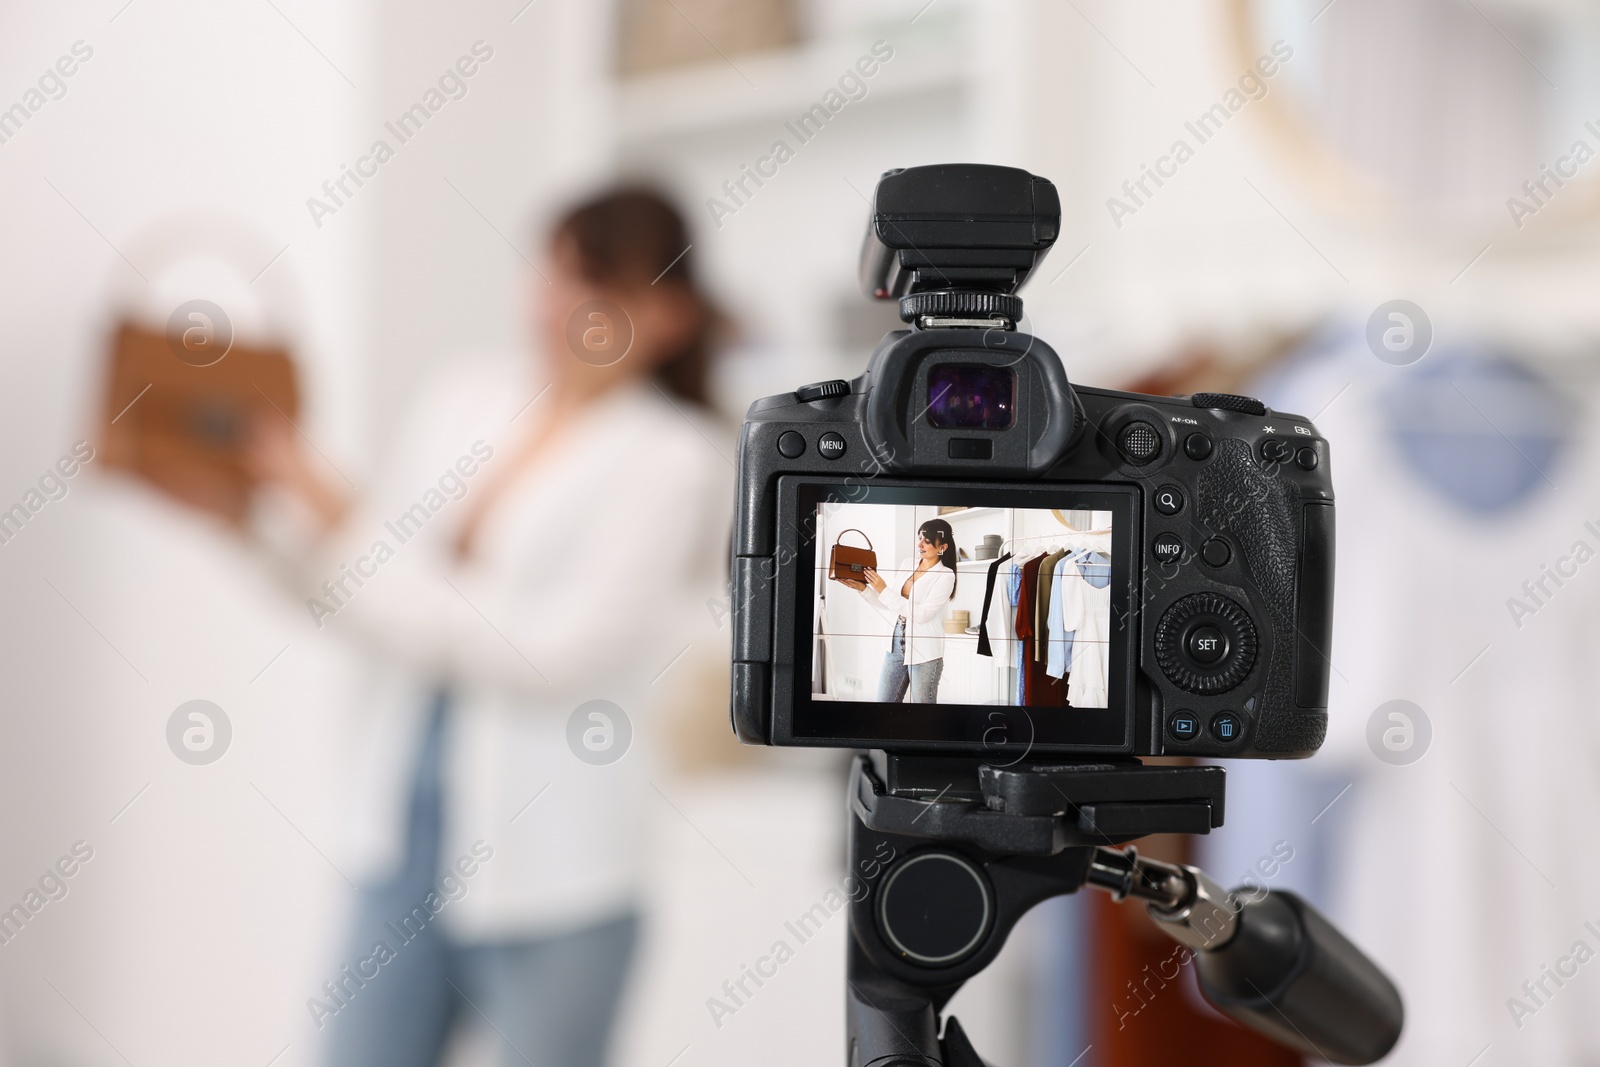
[1197, 446]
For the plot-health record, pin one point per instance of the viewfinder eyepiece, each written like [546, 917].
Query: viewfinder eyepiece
[971, 396]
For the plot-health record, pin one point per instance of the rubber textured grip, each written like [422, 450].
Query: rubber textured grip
[1261, 513]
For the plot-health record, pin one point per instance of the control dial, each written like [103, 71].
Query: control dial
[1206, 643]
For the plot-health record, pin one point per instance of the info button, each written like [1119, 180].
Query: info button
[1168, 548]
[1206, 644]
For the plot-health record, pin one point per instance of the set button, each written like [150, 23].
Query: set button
[1206, 644]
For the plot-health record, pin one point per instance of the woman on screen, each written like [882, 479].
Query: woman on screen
[915, 659]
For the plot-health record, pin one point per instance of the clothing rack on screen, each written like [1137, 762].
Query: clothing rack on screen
[1071, 540]
[1059, 635]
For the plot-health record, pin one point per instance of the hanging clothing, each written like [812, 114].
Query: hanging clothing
[1024, 625]
[1089, 617]
[1041, 604]
[1013, 598]
[984, 648]
[1038, 688]
[1462, 481]
[1063, 591]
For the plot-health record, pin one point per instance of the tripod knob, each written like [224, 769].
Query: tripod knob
[935, 908]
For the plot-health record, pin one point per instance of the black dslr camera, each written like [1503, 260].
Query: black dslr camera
[1011, 589]
[1211, 515]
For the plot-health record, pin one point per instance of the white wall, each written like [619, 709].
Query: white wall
[189, 936]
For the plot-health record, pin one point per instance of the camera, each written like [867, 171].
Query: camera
[1007, 590]
[961, 553]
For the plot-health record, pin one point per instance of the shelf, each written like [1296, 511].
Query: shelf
[775, 86]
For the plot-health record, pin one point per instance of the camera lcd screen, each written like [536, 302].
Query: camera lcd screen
[926, 609]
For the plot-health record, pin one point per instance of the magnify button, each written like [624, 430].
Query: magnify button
[1169, 500]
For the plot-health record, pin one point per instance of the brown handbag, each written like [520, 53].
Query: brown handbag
[848, 563]
[182, 427]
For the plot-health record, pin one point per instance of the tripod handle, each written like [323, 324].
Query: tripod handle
[1288, 973]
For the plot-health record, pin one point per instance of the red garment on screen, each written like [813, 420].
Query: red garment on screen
[1038, 688]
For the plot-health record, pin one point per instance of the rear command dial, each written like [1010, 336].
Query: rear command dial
[1206, 644]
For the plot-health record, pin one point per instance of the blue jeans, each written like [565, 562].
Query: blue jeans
[551, 1000]
[921, 678]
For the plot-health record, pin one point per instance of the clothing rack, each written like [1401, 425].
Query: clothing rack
[1096, 540]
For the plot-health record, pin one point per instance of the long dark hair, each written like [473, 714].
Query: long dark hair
[633, 236]
[938, 532]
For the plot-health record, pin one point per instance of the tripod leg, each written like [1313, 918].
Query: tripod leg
[887, 1022]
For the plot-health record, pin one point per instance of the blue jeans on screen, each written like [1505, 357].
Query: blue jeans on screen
[921, 678]
[550, 1000]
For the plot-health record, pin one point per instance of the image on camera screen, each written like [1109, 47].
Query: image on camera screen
[899, 605]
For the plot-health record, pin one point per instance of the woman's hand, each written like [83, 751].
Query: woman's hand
[274, 456]
[873, 580]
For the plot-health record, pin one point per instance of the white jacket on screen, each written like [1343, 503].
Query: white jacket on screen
[924, 610]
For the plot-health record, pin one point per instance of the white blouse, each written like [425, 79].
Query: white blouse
[923, 610]
[591, 576]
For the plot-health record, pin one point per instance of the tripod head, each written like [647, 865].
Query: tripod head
[972, 847]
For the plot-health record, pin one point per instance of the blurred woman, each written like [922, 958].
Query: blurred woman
[915, 659]
[546, 533]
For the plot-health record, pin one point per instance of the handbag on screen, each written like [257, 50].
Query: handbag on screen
[849, 563]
